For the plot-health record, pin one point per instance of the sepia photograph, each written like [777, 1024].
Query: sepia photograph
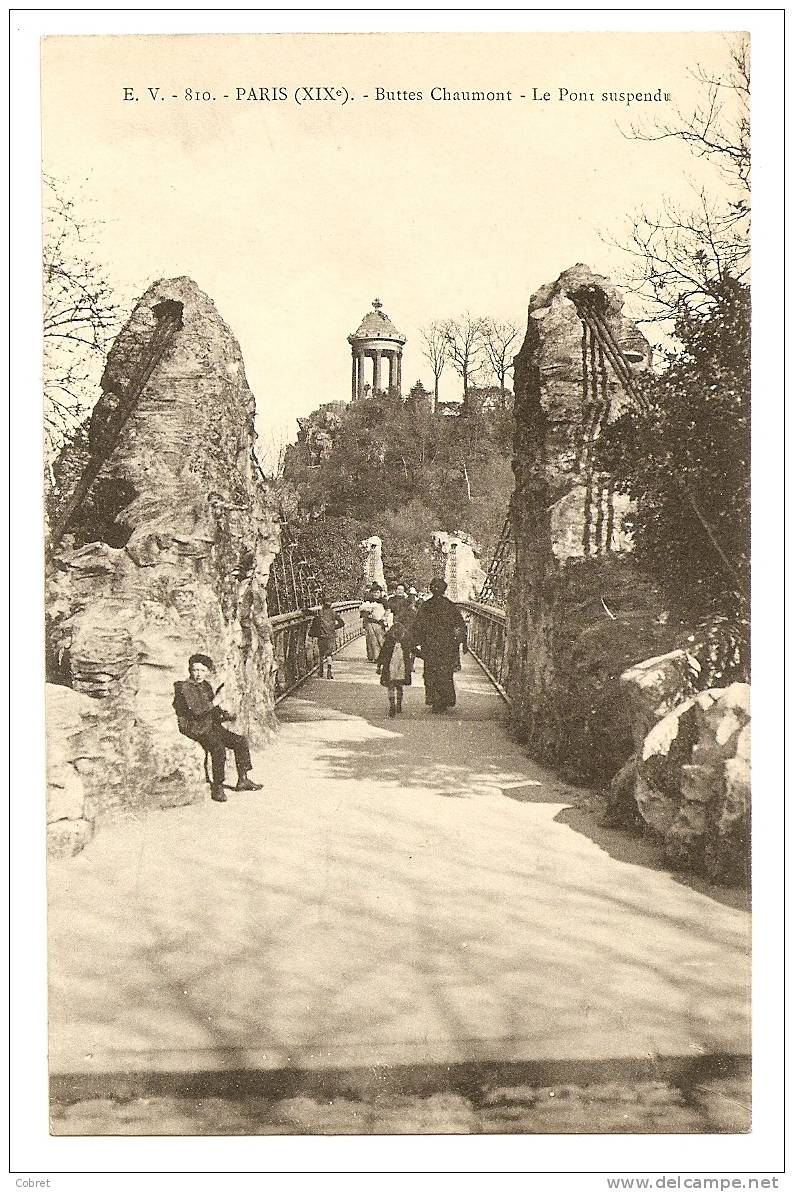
[396, 493]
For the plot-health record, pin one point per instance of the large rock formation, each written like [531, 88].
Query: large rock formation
[565, 392]
[655, 687]
[170, 555]
[580, 395]
[644, 694]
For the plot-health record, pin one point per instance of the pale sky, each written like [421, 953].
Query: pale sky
[293, 218]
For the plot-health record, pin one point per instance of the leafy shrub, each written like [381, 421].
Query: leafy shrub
[685, 461]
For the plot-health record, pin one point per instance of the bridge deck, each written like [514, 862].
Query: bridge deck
[412, 891]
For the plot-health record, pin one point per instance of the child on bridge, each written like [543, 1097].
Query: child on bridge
[394, 666]
[323, 628]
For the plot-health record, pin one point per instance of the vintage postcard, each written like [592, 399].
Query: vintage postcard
[397, 498]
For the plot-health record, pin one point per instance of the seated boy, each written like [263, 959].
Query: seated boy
[201, 718]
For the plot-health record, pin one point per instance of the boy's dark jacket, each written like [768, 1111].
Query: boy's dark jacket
[326, 623]
[195, 712]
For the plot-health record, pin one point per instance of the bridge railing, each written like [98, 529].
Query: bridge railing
[488, 641]
[296, 654]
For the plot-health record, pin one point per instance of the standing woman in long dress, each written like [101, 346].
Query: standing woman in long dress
[373, 616]
[438, 632]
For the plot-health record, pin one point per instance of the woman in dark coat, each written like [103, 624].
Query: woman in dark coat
[438, 632]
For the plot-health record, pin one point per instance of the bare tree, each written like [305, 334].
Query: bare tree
[465, 348]
[684, 254]
[719, 127]
[80, 315]
[498, 341]
[435, 350]
[272, 446]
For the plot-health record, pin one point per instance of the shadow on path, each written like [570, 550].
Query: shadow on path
[465, 753]
[410, 893]
[638, 850]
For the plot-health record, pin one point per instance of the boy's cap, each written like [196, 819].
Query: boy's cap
[204, 659]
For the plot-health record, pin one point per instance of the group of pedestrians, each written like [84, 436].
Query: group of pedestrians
[403, 628]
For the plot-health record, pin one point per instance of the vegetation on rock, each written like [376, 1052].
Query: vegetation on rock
[399, 471]
[685, 461]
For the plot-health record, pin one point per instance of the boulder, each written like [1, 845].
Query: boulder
[655, 687]
[693, 782]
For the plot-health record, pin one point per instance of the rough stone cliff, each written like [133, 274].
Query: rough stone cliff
[565, 391]
[579, 395]
[170, 555]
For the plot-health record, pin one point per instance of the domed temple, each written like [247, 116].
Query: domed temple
[378, 340]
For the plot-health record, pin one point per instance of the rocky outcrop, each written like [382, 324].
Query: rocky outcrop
[579, 396]
[688, 781]
[317, 433]
[170, 556]
[692, 785]
[577, 631]
[562, 509]
[641, 697]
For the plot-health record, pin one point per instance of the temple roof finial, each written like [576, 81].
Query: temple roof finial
[377, 326]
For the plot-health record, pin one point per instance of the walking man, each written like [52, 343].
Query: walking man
[201, 718]
[438, 632]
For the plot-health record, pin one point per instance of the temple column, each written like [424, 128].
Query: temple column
[398, 358]
[354, 376]
[361, 365]
[376, 371]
